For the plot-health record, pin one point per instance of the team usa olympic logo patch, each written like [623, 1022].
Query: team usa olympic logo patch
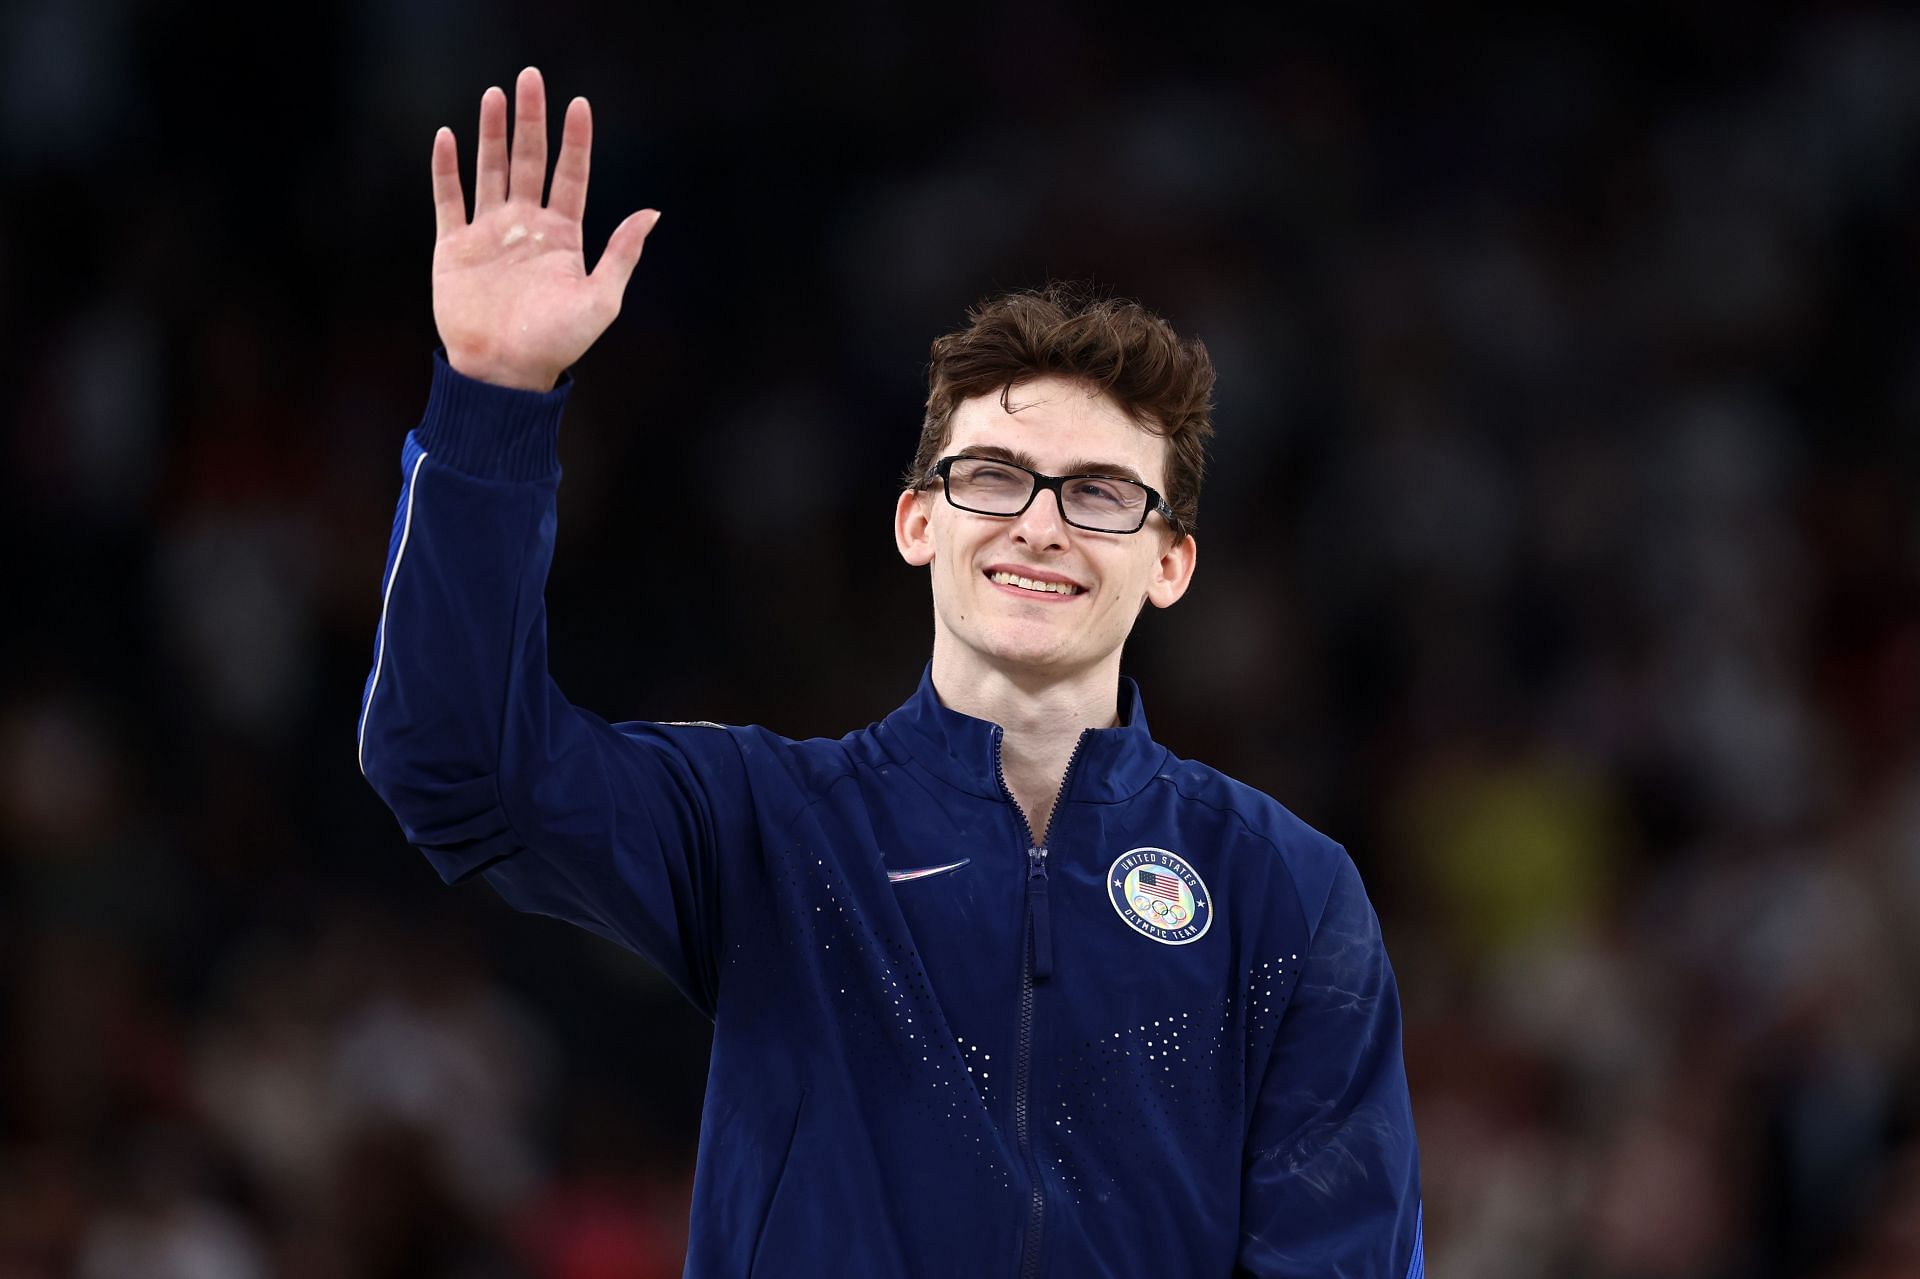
[1158, 894]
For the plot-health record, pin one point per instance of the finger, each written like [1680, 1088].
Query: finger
[569, 195]
[449, 203]
[616, 265]
[490, 160]
[528, 182]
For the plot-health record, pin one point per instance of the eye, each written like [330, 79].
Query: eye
[1088, 488]
[990, 475]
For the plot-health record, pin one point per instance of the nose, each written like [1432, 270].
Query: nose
[1043, 524]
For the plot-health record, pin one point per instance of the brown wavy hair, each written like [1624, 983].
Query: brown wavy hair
[1163, 382]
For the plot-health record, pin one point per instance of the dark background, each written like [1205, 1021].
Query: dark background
[1560, 557]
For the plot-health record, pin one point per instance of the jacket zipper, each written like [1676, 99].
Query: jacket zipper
[1036, 965]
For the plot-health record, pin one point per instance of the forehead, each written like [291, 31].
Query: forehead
[1061, 424]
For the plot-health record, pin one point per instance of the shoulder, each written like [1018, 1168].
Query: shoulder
[809, 765]
[754, 743]
[1255, 828]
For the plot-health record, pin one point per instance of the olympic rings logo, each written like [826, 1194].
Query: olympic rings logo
[1168, 914]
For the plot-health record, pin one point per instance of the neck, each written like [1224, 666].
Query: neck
[1041, 715]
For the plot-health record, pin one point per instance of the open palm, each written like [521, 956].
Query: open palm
[512, 298]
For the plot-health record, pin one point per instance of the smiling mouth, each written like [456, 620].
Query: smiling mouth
[1033, 586]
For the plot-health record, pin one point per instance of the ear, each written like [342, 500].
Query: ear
[1173, 571]
[913, 527]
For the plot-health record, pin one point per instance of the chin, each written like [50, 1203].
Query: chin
[1031, 660]
[1035, 651]
[1013, 638]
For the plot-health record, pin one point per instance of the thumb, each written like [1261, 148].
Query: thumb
[616, 264]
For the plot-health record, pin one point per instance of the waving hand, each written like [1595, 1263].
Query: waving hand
[512, 298]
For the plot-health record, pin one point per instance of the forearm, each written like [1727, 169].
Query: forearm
[462, 625]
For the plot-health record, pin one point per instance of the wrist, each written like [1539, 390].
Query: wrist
[489, 430]
[494, 373]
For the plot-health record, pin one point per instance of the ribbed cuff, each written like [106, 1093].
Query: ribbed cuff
[494, 432]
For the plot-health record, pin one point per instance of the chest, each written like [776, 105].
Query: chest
[939, 907]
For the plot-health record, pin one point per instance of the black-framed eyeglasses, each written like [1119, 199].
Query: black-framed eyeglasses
[1098, 503]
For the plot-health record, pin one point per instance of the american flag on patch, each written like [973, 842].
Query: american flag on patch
[1160, 884]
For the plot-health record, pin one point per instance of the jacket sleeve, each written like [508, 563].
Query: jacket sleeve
[1331, 1183]
[464, 735]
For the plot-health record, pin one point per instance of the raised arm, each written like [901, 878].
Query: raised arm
[462, 732]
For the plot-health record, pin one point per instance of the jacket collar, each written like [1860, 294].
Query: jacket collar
[1113, 763]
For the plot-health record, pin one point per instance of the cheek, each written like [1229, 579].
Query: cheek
[951, 582]
[1124, 584]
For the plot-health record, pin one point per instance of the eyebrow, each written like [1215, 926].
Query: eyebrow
[1080, 466]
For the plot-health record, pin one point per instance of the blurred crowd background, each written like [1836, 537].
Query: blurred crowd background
[1562, 548]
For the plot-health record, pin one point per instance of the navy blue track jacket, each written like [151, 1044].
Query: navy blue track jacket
[1160, 1038]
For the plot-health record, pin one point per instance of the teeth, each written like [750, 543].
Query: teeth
[1014, 579]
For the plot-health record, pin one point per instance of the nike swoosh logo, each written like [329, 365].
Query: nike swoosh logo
[902, 876]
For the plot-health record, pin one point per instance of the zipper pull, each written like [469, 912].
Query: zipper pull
[1037, 912]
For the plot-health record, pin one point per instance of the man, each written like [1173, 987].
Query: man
[999, 985]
